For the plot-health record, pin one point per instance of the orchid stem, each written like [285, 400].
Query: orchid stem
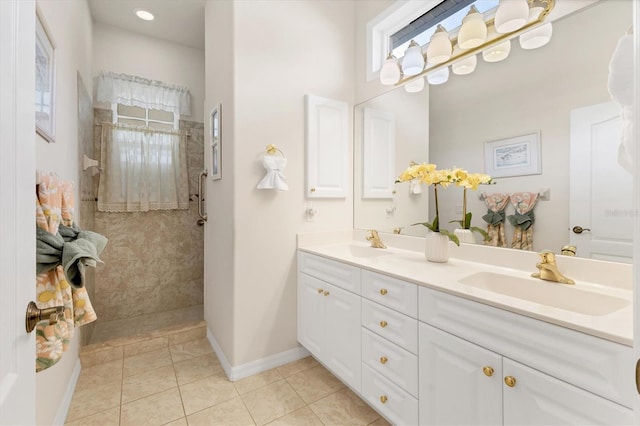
[435, 191]
[464, 209]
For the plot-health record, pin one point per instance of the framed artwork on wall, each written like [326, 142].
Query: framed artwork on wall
[45, 82]
[216, 142]
[516, 156]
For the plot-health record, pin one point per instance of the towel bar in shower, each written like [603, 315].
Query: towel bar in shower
[201, 212]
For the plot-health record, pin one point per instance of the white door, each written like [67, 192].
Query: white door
[601, 190]
[17, 214]
[460, 383]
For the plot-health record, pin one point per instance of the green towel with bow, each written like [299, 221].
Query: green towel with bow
[72, 248]
[523, 221]
[494, 218]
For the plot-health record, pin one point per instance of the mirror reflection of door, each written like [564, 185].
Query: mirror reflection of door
[601, 200]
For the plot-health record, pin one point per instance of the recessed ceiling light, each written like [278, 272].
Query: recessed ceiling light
[144, 14]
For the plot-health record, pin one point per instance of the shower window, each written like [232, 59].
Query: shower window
[145, 117]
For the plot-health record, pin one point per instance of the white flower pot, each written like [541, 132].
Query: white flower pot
[465, 236]
[436, 247]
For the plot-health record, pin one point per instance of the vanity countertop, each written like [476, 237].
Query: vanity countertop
[411, 266]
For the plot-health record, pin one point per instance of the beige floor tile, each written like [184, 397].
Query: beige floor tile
[147, 383]
[109, 417]
[303, 416]
[197, 368]
[100, 374]
[157, 409]
[229, 413]
[147, 361]
[344, 408]
[188, 350]
[179, 422]
[272, 401]
[297, 366]
[257, 381]
[195, 333]
[145, 346]
[380, 422]
[205, 393]
[94, 399]
[314, 384]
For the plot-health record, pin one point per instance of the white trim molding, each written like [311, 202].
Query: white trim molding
[65, 403]
[257, 366]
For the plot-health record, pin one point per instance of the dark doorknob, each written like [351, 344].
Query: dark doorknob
[580, 229]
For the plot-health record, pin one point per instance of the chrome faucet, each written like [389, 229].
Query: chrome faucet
[548, 270]
[375, 240]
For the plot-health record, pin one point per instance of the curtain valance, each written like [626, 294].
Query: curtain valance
[131, 90]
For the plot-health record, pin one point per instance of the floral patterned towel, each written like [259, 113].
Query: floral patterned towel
[55, 205]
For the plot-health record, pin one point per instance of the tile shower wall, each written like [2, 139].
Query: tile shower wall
[154, 260]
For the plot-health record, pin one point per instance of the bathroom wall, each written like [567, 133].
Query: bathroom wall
[316, 51]
[530, 91]
[122, 51]
[73, 57]
[154, 260]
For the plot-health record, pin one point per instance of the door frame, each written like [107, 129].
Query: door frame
[636, 192]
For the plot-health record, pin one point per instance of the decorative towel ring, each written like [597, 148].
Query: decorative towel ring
[272, 150]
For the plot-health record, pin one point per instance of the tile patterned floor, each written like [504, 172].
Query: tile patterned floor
[174, 378]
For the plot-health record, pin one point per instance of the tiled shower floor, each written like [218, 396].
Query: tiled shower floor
[143, 324]
[172, 377]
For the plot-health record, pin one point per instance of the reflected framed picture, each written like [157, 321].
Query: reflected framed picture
[517, 156]
[216, 142]
[45, 82]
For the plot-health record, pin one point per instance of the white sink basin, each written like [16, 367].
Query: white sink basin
[365, 251]
[561, 296]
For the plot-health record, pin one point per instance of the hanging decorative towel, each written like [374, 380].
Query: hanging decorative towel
[523, 219]
[54, 209]
[274, 164]
[496, 203]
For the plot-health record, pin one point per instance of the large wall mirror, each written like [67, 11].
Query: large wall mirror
[551, 91]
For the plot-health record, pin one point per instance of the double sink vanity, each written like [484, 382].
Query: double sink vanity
[475, 340]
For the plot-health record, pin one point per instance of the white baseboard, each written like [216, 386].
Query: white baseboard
[257, 366]
[63, 409]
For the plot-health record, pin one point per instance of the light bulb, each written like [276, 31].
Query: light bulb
[511, 15]
[465, 66]
[390, 72]
[438, 77]
[413, 61]
[144, 14]
[473, 31]
[537, 37]
[439, 49]
[497, 53]
[415, 86]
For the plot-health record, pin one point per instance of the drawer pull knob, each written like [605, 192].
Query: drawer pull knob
[320, 291]
[510, 381]
[383, 399]
[383, 360]
[488, 371]
[383, 291]
[383, 324]
[326, 292]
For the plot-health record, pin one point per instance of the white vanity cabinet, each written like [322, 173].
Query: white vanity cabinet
[329, 315]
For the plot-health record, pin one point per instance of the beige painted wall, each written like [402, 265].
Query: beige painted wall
[250, 285]
[530, 91]
[73, 54]
[122, 51]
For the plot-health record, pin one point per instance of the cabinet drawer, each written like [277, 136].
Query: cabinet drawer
[400, 329]
[336, 273]
[390, 360]
[399, 407]
[391, 292]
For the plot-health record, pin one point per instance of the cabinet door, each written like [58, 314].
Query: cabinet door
[311, 313]
[455, 387]
[342, 316]
[539, 399]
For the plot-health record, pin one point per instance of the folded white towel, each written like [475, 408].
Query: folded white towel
[275, 178]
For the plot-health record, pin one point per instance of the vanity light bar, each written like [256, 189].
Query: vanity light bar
[494, 38]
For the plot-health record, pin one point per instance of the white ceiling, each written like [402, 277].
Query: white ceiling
[178, 21]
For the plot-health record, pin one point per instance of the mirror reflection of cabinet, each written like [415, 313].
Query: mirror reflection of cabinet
[327, 148]
[378, 153]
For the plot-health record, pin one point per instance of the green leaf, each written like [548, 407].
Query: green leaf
[434, 227]
[481, 232]
[451, 236]
[467, 221]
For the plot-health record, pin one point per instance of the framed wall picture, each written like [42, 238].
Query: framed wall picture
[45, 82]
[216, 142]
[517, 156]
